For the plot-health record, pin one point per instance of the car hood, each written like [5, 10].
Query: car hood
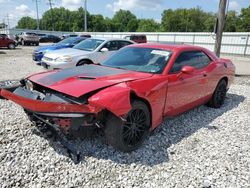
[85, 79]
[51, 47]
[66, 52]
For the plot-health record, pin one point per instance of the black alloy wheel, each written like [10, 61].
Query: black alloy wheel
[135, 127]
[128, 134]
[219, 95]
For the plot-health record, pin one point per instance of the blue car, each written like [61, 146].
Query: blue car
[66, 43]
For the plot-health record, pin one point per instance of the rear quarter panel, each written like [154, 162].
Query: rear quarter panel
[222, 68]
[230, 69]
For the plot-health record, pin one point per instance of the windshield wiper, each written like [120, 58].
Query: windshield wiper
[112, 66]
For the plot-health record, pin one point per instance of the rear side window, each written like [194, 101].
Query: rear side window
[111, 45]
[123, 43]
[197, 59]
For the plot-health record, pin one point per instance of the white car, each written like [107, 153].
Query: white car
[92, 50]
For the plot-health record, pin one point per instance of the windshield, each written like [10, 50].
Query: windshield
[67, 40]
[140, 59]
[89, 44]
[31, 34]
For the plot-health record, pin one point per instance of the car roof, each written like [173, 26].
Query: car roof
[110, 39]
[167, 46]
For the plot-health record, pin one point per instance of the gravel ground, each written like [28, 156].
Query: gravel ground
[202, 148]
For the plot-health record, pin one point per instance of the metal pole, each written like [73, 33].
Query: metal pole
[245, 50]
[37, 16]
[85, 16]
[221, 23]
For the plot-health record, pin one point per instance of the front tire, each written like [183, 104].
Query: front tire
[11, 46]
[128, 135]
[219, 95]
[83, 62]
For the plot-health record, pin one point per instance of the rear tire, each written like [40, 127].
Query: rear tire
[219, 95]
[128, 135]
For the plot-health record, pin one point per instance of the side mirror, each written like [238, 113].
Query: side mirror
[187, 69]
[104, 50]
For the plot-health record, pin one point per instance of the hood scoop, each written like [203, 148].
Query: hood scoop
[86, 78]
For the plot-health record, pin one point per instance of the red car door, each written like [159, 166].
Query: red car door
[186, 91]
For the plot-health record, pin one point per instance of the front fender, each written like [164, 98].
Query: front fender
[116, 99]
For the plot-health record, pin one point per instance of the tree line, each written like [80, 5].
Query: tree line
[179, 20]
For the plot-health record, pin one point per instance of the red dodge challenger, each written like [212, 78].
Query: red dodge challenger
[129, 94]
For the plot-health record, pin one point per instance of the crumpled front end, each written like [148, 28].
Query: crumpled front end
[53, 108]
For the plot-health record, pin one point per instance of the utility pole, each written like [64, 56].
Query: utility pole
[37, 15]
[85, 16]
[220, 26]
[52, 18]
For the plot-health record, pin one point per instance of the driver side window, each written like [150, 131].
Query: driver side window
[196, 59]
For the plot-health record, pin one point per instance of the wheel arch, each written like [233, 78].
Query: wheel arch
[118, 99]
[224, 78]
[134, 96]
[85, 59]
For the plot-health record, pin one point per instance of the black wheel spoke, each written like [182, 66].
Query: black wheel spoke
[135, 127]
[141, 121]
[126, 133]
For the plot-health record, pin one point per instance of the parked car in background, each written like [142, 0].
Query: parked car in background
[137, 38]
[50, 38]
[89, 51]
[41, 35]
[67, 36]
[28, 38]
[7, 42]
[130, 94]
[85, 35]
[39, 52]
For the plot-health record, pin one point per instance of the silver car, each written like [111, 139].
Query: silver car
[92, 50]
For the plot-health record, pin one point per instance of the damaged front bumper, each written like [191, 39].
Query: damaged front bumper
[53, 109]
[56, 114]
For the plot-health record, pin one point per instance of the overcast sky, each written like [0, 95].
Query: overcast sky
[141, 8]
